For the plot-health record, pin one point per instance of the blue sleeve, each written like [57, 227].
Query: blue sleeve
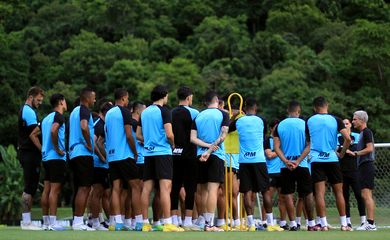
[29, 116]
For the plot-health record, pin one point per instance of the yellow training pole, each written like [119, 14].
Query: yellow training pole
[231, 193]
[226, 193]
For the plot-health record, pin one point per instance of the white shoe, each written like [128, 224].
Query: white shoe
[82, 227]
[100, 228]
[57, 227]
[30, 227]
[366, 227]
[45, 227]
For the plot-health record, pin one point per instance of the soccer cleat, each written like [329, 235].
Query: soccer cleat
[157, 228]
[325, 228]
[100, 227]
[346, 228]
[82, 227]
[192, 228]
[349, 225]
[147, 227]
[293, 229]
[260, 228]
[138, 226]
[30, 227]
[367, 227]
[209, 228]
[119, 226]
[314, 228]
[252, 229]
[299, 226]
[172, 228]
[274, 228]
[285, 227]
[45, 227]
[57, 227]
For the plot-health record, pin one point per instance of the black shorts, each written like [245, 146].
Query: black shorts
[31, 164]
[158, 167]
[299, 178]
[322, 171]
[100, 176]
[140, 171]
[54, 171]
[123, 169]
[185, 169]
[367, 175]
[213, 170]
[253, 177]
[275, 180]
[82, 168]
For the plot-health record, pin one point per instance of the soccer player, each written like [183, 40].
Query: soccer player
[273, 166]
[292, 148]
[100, 176]
[348, 165]
[122, 156]
[54, 160]
[322, 129]
[253, 169]
[184, 158]
[81, 145]
[29, 151]
[155, 131]
[208, 132]
[365, 154]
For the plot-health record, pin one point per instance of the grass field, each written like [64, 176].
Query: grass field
[15, 233]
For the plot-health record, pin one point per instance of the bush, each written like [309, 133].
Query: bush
[11, 185]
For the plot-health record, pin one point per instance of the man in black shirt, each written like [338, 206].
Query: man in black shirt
[365, 154]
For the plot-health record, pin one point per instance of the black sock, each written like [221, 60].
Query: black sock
[370, 221]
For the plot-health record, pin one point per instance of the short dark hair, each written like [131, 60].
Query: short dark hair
[85, 92]
[293, 105]
[120, 93]
[319, 102]
[55, 99]
[136, 105]
[158, 93]
[209, 96]
[105, 107]
[183, 92]
[35, 91]
[250, 103]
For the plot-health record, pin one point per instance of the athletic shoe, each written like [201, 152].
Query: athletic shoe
[172, 228]
[260, 228]
[225, 227]
[56, 227]
[138, 226]
[82, 227]
[147, 227]
[285, 227]
[324, 229]
[105, 224]
[30, 227]
[274, 228]
[100, 227]
[192, 228]
[293, 229]
[299, 226]
[119, 226]
[208, 228]
[367, 227]
[346, 228]
[157, 228]
[349, 225]
[111, 228]
[252, 229]
[314, 228]
[330, 227]
[45, 227]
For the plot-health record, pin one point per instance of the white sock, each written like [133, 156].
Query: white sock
[209, 218]
[146, 221]
[167, 220]
[220, 222]
[298, 220]
[77, 220]
[324, 222]
[194, 221]
[128, 222]
[26, 218]
[133, 222]
[123, 218]
[101, 217]
[118, 219]
[270, 219]
[263, 222]
[363, 219]
[349, 220]
[343, 220]
[293, 224]
[175, 221]
[202, 220]
[187, 221]
[53, 220]
[180, 221]
[318, 220]
[237, 222]
[95, 222]
[46, 220]
[307, 222]
[250, 222]
[311, 223]
[283, 223]
[138, 218]
[112, 220]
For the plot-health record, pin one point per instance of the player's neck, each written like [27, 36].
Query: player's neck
[120, 103]
[59, 109]
[85, 104]
[28, 102]
[159, 102]
[213, 105]
[364, 126]
[135, 116]
[184, 103]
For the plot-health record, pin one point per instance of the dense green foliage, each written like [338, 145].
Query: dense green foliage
[273, 50]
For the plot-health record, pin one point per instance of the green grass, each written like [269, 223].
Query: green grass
[14, 233]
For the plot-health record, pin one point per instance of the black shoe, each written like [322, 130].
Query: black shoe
[293, 229]
[299, 226]
[349, 225]
[265, 225]
[285, 227]
[104, 224]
